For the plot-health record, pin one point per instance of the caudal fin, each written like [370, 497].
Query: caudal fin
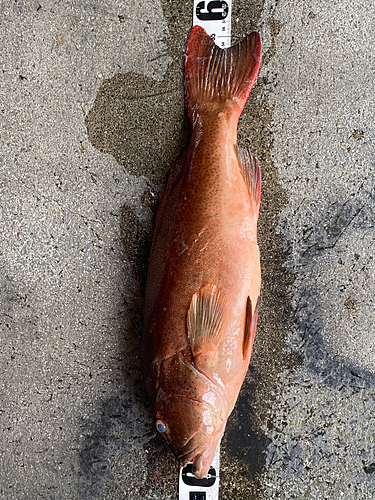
[220, 77]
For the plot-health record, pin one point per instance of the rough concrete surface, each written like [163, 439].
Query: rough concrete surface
[91, 119]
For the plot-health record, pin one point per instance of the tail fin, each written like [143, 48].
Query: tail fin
[220, 77]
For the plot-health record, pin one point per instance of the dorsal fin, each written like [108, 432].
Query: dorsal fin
[206, 318]
[251, 173]
[250, 328]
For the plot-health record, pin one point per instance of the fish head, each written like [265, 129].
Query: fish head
[191, 413]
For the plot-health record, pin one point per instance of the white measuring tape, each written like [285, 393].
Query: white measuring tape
[191, 488]
[214, 16]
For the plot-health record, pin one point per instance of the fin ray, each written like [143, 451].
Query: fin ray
[251, 174]
[220, 76]
[206, 318]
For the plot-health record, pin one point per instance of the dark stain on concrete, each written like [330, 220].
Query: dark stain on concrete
[355, 213]
[105, 455]
[331, 228]
[162, 470]
[108, 439]
[329, 369]
[140, 122]
[137, 244]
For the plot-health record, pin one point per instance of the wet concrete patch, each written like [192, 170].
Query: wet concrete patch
[111, 456]
[140, 122]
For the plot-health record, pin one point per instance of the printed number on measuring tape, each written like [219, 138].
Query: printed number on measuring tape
[214, 16]
[191, 488]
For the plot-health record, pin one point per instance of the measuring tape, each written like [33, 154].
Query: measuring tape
[191, 488]
[214, 16]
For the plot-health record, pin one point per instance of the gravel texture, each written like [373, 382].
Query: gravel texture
[91, 119]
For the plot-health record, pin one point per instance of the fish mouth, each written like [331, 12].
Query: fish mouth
[202, 457]
[199, 449]
[191, 455]
[189, 452]
[202, 462]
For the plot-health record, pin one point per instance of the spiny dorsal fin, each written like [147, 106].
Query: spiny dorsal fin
[250, 328]
[206, 318]
[251, 173]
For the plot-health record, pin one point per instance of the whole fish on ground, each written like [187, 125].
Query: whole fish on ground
[204, 279]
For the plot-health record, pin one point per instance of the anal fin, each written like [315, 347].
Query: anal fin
[251, 173]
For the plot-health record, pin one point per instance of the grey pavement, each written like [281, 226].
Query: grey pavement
[91, 119]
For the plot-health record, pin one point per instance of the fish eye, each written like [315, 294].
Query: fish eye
[161, 427]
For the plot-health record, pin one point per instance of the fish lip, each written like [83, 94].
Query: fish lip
[190, 450]
[191, 455]
[205, 469]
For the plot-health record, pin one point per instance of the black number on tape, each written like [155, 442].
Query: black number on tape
[215, 10]
[197, 495]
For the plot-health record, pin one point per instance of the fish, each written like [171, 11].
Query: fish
[204, 277]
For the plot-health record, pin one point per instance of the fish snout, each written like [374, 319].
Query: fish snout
[202, 462]
[201, 451]
[194, 447]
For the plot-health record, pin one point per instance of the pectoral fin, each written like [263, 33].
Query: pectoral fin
[251, 174]
[206, 319]
[250, 328]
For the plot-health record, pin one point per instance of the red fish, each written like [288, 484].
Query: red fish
[204, 279]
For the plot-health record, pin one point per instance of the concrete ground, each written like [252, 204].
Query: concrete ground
[91, 118]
